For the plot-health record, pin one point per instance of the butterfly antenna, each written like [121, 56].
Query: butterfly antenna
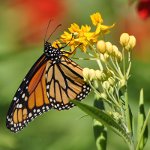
[47, 29]
[53, 32]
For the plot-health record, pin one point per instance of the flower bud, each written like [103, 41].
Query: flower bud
[111, 90]
[115, 50]
[122, 83]
[111, 81]
[124, 39]
[109, 47]
[98, 74]
[103, 76]
[106, 56]
[102, 58]
[92, 74]
[106, 85]
[86, 74]
[101, 46]
[103, 95]
[119, 55]
[132, 43]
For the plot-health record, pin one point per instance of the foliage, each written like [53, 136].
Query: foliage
[110, 81]
[21, 43]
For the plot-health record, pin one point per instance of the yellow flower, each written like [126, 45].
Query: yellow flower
[82, 43]
[56, 44]
[74, 28]
[83, 37]
[96, 19]
[66, 36]
[85, 29]
[103, 29]
[79, 37]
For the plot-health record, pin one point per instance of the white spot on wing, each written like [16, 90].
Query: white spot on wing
[23, 95]
[30, 115]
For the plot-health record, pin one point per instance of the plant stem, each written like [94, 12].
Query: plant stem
[124, 62]
[98, 93]
[99, 64]
[116, 68]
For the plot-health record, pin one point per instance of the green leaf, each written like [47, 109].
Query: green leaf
[141, 137]
[131, 120]
[100, 131]
[100, 134]
[105, 119]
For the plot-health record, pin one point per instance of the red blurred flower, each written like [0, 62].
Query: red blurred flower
[35, 15]
[143, 8]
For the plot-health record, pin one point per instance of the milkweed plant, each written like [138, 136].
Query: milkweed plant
[109, 82]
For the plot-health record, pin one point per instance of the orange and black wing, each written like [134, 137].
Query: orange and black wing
[30, 99]
[64, 81]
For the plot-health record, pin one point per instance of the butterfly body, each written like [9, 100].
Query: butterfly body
[53, 54]
[52, 81]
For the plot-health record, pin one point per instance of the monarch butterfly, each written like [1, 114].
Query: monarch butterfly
[50, 83]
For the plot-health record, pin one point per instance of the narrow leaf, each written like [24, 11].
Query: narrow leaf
[100, 131]
[141, 137]
[131, 120]
[105, 119]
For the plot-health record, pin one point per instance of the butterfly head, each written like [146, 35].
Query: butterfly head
[51, 52]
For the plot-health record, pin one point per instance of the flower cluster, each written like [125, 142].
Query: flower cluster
[107, 49]
[127, 41]
[109, 80]
[83, 37]
[113, 71]
[110, 77]
[91, 74]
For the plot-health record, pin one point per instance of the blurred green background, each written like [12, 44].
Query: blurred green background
[22, 29]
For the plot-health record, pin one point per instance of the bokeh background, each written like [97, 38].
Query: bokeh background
[22, 29]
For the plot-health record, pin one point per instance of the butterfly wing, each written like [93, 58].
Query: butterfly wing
[47, 85]
[30, 99]
[64, 81]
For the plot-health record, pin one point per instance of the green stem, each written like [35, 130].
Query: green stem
[116, 68]
[124, 62]
[99, 94]
[99, 64]
[90, 54]
[129, 56]
[128, 71]
[84, 58]
[113, 99]
[143, 129]
[110, 69]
